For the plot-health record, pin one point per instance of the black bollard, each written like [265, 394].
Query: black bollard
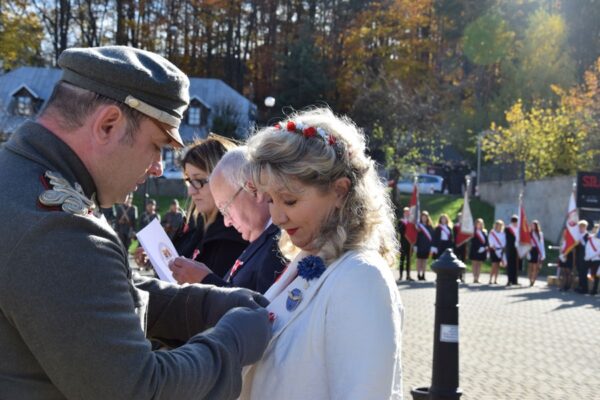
[444, 380]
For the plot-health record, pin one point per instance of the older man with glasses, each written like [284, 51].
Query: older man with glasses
[247, 211]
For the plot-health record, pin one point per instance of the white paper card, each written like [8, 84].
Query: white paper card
[159, 248]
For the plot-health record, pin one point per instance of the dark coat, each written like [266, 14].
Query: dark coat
[423, 243]
[475, 252]
[257, 267]
[439, 244]
[218, 247]
[72, 321]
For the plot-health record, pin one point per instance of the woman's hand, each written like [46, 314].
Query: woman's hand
[188, 271]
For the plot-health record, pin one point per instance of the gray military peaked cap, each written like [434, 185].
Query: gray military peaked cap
[143, 80]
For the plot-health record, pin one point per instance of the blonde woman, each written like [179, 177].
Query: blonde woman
[497, 243]
[537, 254]
[479, 248]
[337, 302]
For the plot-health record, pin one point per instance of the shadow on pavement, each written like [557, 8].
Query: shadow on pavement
[569, 299]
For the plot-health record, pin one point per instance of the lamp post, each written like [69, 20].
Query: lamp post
[269, 103]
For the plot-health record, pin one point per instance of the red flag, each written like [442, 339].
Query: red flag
[524, 239]
[571, 232]
[466, 221]
[413, 217]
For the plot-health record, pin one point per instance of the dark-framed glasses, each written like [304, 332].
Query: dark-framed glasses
[224, 210]
[197, 183]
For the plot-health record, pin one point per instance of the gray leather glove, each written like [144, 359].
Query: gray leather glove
[220, 300]
[251, 331]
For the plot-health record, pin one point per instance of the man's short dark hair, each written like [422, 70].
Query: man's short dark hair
[74, 104]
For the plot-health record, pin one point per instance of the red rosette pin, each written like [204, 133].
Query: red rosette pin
[309, 132]
[291, 126]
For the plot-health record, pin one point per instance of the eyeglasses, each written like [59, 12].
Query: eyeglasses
[197, 183]
[224, 210]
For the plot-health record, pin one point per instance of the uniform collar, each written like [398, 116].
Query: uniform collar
[43, 147]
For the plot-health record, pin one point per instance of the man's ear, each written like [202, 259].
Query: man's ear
[250, 187]
[109, 123]
[341, 187]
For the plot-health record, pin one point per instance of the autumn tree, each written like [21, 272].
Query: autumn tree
[21, 35]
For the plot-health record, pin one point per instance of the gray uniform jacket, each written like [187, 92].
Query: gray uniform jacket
[71, 319]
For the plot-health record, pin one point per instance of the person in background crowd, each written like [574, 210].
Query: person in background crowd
[479, 246]
[126, 216]
[512, 257]
[592, 257]
[405, 246]
[174, 220]
[207, 239]
[337, 302]
[460, 251]
[580, 263]
[246, 209]
[149, 214]
[537, 253]
[566, 263]
[497, 243]
[424, 242]
[442, 237]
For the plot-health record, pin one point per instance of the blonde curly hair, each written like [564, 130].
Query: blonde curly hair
[366, 219]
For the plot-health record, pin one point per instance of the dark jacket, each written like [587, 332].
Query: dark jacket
[71, 319]
[439, 244]
[476, 253]
[423, 243]
[218, 247]
[257, 267]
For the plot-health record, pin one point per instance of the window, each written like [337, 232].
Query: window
[24, 105]
[194, 116]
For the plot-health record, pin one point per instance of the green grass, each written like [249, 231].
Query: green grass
[437, 204]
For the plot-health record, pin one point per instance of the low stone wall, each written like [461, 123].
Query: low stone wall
[545, 200]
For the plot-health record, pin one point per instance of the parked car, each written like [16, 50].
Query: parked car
[426, 183]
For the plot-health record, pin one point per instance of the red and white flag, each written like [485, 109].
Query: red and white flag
[413, 216]
[524, 237]
[466, 221]
[571, 232]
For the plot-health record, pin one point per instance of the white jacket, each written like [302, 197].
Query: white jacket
[342, 342]
[592, 249]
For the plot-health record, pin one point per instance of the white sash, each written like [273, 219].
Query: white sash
[425, 231]
[445, 232]
[480, 236]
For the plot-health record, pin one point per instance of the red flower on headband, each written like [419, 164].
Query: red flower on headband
[331, 140]
[277, 126]
[309, 132]
[291, 126]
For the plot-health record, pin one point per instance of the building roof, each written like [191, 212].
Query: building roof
[213, 93]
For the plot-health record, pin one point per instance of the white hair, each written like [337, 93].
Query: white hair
[234, 167]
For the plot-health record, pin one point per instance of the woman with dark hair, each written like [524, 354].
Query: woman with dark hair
[537, 254]
[479, 247]
[424, 242]
[205, 238]
[442, 236]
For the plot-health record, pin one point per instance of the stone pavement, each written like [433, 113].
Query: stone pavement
[515, 343]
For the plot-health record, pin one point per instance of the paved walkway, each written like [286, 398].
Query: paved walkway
[515, 343]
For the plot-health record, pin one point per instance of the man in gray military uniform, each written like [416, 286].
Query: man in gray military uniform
[73, 324]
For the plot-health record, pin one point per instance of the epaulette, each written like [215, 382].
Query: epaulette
[61, 195]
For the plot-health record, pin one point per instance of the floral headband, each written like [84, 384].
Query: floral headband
[307, 131]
